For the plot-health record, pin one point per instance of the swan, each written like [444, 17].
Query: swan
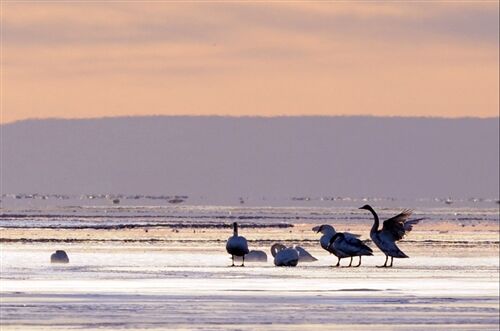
[328, 232]
[59, 256]
[254, 256]
[393, 229]
[349, 247]
[304, 256]
[237, 245]
[283, 256]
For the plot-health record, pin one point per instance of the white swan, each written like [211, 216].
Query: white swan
[284, 257]
[394, 229]
[349, 247]
[254, 256]
[237, 245]
[328, 232]
[304, 256]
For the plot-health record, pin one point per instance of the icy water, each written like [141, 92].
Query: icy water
[160, 263]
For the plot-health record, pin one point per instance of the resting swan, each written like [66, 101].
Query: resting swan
[304, 256]
[254, 256]
[284, 257]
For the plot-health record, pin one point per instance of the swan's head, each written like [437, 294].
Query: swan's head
[367, 207]
[335, 237]
[277, 248]
[325, 228]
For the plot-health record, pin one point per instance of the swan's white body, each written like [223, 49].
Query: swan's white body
[284, 257]
[304, 256]
[328, 232]
[386, 243]
[349, 247]
[237, 245]
[341, 250]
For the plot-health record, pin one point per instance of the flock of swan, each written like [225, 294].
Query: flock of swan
[340, 244]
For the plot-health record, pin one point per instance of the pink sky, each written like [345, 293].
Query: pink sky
[77, 60]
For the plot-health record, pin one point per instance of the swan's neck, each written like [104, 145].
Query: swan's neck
[376, 221]
[235, 230]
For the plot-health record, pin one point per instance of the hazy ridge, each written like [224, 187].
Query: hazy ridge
[254, 156]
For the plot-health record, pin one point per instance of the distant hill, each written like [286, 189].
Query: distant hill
[274, 157]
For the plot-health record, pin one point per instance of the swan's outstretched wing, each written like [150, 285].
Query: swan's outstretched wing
[398, 225]
[408, 225]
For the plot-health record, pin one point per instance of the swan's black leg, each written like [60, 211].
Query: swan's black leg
[232, 258]
[338, 262]
[392, 258]
[350, 263]
[243, 263]
[359, 261]
[385, 264]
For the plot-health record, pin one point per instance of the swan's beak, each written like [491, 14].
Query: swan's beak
[316, 228]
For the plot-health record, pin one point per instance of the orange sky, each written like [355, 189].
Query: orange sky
[76, 60]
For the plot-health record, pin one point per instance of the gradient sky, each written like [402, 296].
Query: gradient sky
[74, 60]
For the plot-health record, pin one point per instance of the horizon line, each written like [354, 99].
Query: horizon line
[35, 119]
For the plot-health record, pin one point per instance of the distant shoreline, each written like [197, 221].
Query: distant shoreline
[243, 117]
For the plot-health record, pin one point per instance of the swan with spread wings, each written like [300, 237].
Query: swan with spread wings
[393, 230]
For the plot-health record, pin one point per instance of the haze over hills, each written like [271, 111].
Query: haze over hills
[225, 157]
